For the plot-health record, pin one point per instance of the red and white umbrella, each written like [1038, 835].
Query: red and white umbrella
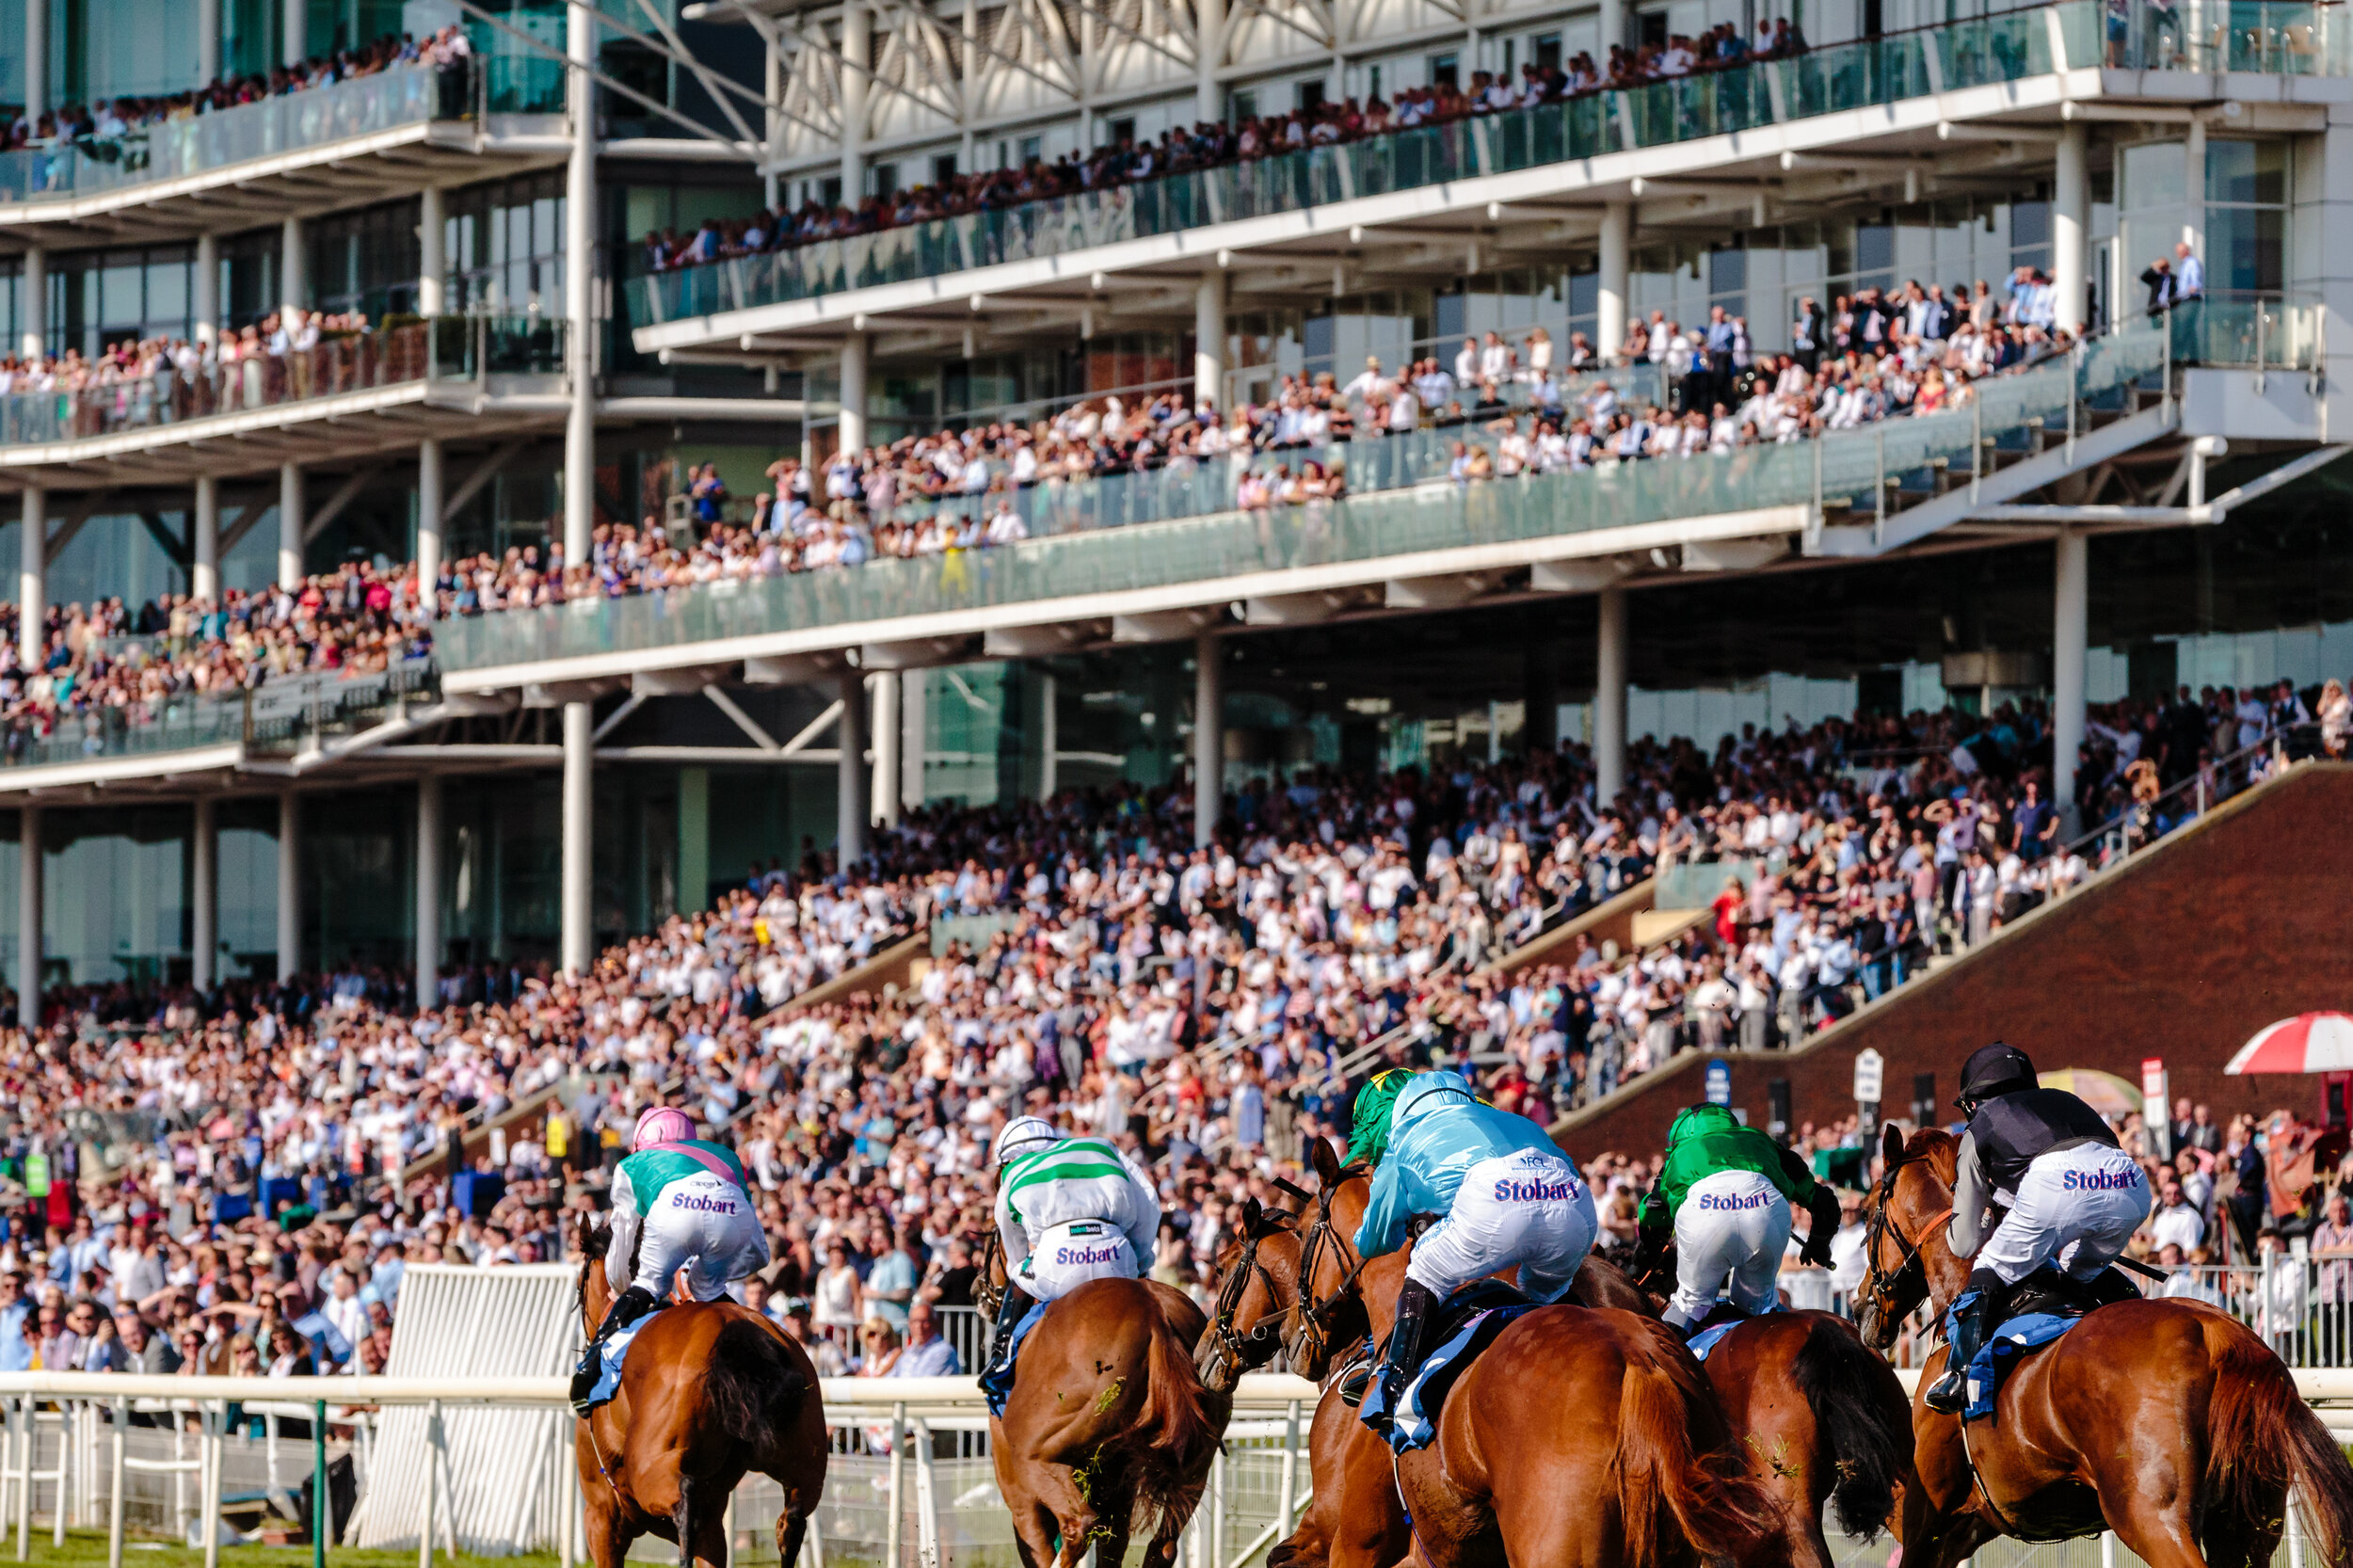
[2308, 1043]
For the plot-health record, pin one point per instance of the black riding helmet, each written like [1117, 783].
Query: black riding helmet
[1994, 1069]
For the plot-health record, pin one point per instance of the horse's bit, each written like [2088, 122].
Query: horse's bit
[1314, 1315]
[1254, 1349]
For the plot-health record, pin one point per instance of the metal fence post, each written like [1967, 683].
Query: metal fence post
[432, 1478]
[898, 1484]
[926, 1498]
[21, 1413]
[322, 1511]
[214, 1451]
[1290, 1469]
[114, 1486]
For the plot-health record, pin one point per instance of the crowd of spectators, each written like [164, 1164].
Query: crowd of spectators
[181, 1170]
[104, 126]
[1180, 151]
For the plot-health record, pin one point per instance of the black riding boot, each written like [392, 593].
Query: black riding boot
[1009, 1313]
[630, 1305]
[1974, 1318]
[1416, 1304]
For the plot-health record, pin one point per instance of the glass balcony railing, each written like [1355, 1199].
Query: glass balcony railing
[2302, 38]
[285, 715]
[466, 90]
[1840, 471]
[443, 349]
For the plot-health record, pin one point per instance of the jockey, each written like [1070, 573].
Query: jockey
[1505, 1193]
[1069, 1210]
[2074, 1199]
[678, 1203]
[1726, 1191]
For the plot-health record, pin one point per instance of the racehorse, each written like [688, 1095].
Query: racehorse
[1607, 1407]
[710, 1392]
[2166, 1421]
[1107, 1430]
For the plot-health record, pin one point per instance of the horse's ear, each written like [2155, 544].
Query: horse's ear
[1251, 1209]
[1891, 1145]
[1327, 1164]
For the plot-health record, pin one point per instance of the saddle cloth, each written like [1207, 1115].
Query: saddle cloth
[610, 1359]
[1468, 1323]
[2046, 1305]
[998, 1383]
[1719, 1322]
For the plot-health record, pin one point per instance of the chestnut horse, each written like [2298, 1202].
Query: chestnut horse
[1571, 1404]
[2166, 1421]
[1107, 1430]
[711, 1391]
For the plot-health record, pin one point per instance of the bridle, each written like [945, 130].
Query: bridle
[988, 1297]
[1246, 1352]
[1887, 1287]
[1309, 1344]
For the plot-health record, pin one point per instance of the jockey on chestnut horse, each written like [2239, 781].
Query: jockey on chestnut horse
[1580, 1435]
[2166, 1421]
[710, 1390]
[1099, 1425]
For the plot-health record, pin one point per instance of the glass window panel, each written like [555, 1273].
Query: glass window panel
[2247, 172]
[2155, 176]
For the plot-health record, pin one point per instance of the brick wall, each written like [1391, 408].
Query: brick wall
[2242, 920]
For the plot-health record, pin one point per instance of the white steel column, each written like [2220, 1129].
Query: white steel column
[1208, 735]
[204, 579]
[2071, 596]
[293, 283]
[579, 936]
[204, 892]
[429, 504]
[580, 280]
[289, 884]
[886, 735]
[852, 432]
[1209, 334]
[207, 41]
[428, 959]
[32, 580]
[28, 917]
[1609, 663]
[1049, 739]
[850, 774]
[432, 252]
[858, 48]
[1209, 102]
[914, 718]
[293, 43]
[2194, 188]
[1617, 243]
[1612, 26]
[205, 303]
[36, 62]
[33, 300]
[2070, 224]
[290, 525]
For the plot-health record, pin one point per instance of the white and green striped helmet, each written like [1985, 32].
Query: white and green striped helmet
[1025, 1135]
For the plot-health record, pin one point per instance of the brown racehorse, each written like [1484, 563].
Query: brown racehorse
[710, 1392]
[1608, 1408]
[2167, 1421]
[1107, 1428]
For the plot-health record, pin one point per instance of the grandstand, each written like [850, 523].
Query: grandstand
[858, 567]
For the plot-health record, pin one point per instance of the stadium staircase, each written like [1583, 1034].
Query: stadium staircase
[2178, 953]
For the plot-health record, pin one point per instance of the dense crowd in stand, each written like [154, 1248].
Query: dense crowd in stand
[1204, 145]
[267, 1159]
[105, 125]
[153, 379]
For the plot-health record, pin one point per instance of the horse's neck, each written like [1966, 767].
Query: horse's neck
[596, 1297]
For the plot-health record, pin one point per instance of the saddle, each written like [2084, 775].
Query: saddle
[1466, 1323]
[2058, 1295]
[2042, 1308]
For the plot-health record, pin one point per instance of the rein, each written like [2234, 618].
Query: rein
[1246, 1351]
[1886, 1286]
[588, 1423]
[1314, 1315]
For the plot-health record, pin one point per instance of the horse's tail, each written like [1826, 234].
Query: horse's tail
[753, 1388]
[1173, 1436]
[1862, 1420]
[2261, 1438]
[1675, 1470]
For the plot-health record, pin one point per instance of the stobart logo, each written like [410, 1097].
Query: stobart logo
[1737, 1204]
[2114, 1179]
[702, 1205]
[1076, 1258]
[1538, 1190]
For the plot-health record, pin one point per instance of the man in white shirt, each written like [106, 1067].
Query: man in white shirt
[2189, 273]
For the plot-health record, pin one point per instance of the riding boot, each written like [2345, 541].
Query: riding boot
[1016, 1301]
[1974, 1318]
[630, 1305]
[1416, 1304]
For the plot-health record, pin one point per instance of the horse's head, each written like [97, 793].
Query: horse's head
[595, 1241]
[1257, 1286]
[1906, 1257]
[1330, 1308]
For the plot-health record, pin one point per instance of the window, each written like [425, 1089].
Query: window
[2247, 220]
[1244, 105]
[1120, 130]
[1444, 71]
[943, 168]
[1510, 58]
[885, 180]
[1032, 150]
[1307, 96]
[829, 191]
[1372, 80]
[1548, 51]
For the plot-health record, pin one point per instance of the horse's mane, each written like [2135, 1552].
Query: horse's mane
[1937, 1149]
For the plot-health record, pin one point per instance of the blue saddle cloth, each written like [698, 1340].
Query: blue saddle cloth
[611, 1356]
[1719, 1323]
[2003, 1350]
[998, 1383]
[1469, 1323]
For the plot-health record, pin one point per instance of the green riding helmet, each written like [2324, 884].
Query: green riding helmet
[1698, 1121]
[1369, 1132]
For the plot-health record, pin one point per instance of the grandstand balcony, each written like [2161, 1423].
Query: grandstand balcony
[298, 154]
[1898, 117]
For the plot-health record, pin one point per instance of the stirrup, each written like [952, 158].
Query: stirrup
[1949, 1394]
[1355, 1382]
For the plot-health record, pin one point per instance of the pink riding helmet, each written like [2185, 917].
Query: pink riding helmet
[660, 1124]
